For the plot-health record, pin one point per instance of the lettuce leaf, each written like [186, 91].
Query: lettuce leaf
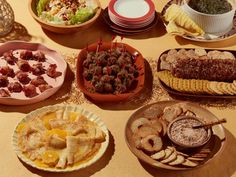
[82, 15]
[41, 6]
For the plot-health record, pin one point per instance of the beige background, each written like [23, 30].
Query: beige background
[118, 161]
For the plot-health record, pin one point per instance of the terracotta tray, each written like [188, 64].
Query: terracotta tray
[189, 95]
[84, 85]
[216, 143]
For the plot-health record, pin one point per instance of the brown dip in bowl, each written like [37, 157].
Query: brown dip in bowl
[182, 134]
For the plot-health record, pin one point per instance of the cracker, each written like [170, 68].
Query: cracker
[205, 87]
[159, 155]
[199, 86]
[174, 83]
[183, 154]
[194, 86]
[215, 88]
[188, 85]
[233, 85]
[179, 160]
[182, 86]
[225, 87]
[168, 152]
[200, 155]
[205, 150]
[164, 77]
[189, 163]
[210, 91]
[195, 159]
[171, 158]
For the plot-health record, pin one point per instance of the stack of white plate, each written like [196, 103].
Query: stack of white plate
[132, 14]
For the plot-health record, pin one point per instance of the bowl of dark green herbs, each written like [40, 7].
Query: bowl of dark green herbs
[213, 16]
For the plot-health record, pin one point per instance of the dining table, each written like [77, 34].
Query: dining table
[118, 160]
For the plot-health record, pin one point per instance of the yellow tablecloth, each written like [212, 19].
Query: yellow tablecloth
[118, 161]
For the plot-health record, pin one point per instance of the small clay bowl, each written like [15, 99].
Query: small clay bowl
[184, 137]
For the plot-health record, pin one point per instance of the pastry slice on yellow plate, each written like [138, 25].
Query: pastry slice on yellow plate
[180, 22]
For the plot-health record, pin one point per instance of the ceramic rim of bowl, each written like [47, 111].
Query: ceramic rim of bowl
[211, 15]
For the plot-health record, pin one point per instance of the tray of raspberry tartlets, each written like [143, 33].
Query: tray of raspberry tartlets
[29, 72]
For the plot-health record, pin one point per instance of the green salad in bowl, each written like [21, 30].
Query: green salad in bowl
[66, 12]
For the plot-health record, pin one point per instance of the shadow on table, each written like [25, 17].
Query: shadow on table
[138, 100]
[220, 44]
[57, 98]
[18, 32]
[223, 165]
[82, 38]
[85, 172]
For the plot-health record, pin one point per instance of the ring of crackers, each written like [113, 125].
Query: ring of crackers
[197, 86]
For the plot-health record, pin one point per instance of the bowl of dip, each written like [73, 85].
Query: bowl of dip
[213, 16]
[181, 132]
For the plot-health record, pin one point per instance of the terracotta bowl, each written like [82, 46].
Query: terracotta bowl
[62, 28]
[190, 120]
[98, 97]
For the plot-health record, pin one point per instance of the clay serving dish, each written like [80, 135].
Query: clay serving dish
[63, 28]
[216, 143]
[98, 97]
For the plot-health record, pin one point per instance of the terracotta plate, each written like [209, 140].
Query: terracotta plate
[85, 85]
[216, 143]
